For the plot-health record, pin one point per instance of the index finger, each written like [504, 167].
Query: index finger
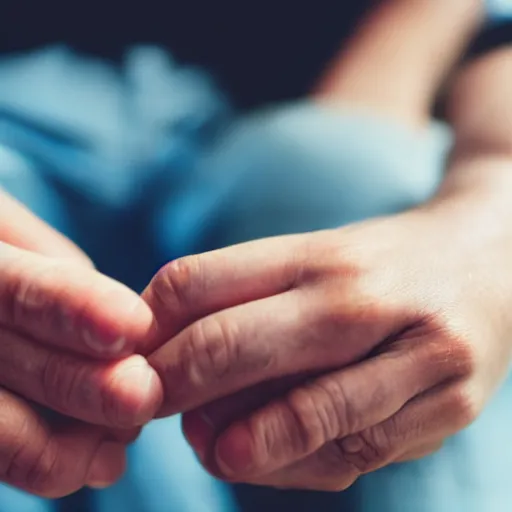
[195, 286]
[70, 306]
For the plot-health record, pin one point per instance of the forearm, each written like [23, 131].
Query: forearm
[480, 105]
[401, 54]
[479, 174]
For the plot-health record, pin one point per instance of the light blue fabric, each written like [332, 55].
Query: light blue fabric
[85, 144]
[499, 10]
[163, 475]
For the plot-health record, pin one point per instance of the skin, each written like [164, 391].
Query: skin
[69, 338]
[354, 348]
[284, 366]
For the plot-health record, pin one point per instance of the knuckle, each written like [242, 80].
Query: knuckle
[216, 348]
[344, 416]
[334, 473]
[463, 356]
[359, 317]
[60, 380]
[313, 422]
[177, 281]
[13, 463]
[27, 298]
[450, 348]
[463, 407]
[33, 470]
[35, 297]
[41, 476]
[367, 450]
[322, 257]
[53, 383]
[210, 353]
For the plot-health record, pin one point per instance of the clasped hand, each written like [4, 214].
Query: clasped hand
[300, 361]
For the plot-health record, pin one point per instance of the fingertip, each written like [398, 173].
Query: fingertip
[107, 466]
[234, 452]
[136, 393]
[119, 324]
[199, 433]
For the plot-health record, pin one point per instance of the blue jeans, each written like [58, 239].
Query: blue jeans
[216, 180]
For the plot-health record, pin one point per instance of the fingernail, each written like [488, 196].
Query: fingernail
[107, 338]
[103, 346]
[352, 444]
[107, 465]
[138, 394]
[233, 452]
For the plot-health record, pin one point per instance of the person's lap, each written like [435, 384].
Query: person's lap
[295, 169]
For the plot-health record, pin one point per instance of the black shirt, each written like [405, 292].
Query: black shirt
[259, 51]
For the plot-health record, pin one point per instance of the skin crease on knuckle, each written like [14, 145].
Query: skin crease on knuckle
[176, 281]
[22, 298]
[212, 354]
[370, 449]
[37, 298]
[42, 478]
[12, 459]
[68, 385]
[321, 420]
[385, 443]
[202, 360]
[32, 470]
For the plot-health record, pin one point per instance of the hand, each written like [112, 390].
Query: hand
[67, 339]
[306, 361]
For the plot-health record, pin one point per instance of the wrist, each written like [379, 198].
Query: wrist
[477, 190]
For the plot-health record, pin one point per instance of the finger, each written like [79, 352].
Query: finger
[331, 407]
[195, 286]
[120, 435]
[70, 306]
[326, 471]
[338, 464]
[296, 332]
[323, 470]
[122, 394]
[436, 415]
[201, 426]
[49, 461]
[26, 231]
